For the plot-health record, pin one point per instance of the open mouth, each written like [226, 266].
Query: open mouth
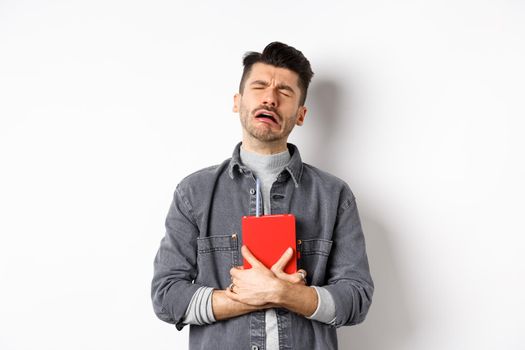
[266, 116]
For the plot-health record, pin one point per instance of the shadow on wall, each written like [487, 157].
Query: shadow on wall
[323, 112]
[388, 323]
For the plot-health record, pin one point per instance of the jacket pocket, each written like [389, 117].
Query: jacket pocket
[314, 259]
[216, 255]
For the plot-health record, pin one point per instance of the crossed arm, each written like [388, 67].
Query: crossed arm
[348, 281]
[261, 288]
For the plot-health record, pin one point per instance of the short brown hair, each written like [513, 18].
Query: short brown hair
[283, 56]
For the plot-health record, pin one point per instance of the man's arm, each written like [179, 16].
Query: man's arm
[349, 282]
[263, 287]
[175, 265]
[225, 307]
[175, 269]
[348, 275]
[297, 298]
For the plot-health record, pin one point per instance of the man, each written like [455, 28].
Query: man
[198, 279]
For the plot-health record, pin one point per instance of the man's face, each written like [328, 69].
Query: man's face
[269, 105]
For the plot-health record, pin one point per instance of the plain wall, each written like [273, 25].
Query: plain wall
[106, 105]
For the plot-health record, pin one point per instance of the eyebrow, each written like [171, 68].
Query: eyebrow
[280, 86]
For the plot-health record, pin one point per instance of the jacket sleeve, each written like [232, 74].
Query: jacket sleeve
[175, 265]
[348, 279]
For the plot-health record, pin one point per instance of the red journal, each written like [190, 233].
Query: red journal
[268, 236]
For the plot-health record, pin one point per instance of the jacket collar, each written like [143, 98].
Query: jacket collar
[294, 166]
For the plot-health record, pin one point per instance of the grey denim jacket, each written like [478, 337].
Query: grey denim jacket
[203, 240]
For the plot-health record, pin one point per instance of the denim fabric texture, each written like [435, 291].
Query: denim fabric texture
[203, 240]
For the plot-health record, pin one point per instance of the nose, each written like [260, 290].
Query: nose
[270, 98]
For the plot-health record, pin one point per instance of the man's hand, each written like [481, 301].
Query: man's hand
[278, 269]
[227, 304]
[262, 286]
[256, 286]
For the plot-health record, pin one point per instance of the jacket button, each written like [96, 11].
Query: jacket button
[255, 347]
[252, 191]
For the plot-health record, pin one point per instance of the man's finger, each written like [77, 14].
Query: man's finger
[283, 260]
[302, 274]
[248, 256]
[233, 271]
[236, 269]
[235, 281]
[231, 295]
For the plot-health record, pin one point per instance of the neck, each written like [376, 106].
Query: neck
[262, 147]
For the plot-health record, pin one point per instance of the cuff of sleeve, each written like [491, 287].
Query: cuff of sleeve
[199, 311]
[325, 311]
[209, 306]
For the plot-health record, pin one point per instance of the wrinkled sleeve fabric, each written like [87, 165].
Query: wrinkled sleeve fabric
[349, 280]
[175, 265]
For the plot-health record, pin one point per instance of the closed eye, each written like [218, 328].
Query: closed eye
[258, 84]
[286, 90]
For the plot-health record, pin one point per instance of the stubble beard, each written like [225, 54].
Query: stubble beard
[262, 133]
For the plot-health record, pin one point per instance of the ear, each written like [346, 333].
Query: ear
[301, 114]
[236, 102]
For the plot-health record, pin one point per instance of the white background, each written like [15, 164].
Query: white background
[106, 105]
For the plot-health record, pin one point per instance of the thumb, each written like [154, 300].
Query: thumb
[283, 260]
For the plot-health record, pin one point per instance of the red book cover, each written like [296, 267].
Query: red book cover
[268, 236]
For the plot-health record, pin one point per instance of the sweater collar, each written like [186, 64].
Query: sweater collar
[294, 167]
